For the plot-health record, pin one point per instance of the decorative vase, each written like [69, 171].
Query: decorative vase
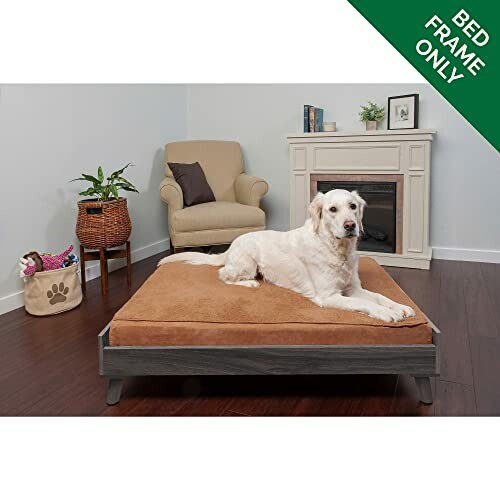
[103, 224]
[371, 125]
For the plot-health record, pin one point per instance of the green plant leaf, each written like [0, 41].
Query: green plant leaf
[114, 191]
[371, 112]
[86, 177]
[92, 179]
[104, 192]
[117, 173]
[122, 179]
[88, 192]
[127, 187]
[125, 183]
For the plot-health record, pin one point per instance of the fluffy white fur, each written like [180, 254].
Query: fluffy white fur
[317, 260]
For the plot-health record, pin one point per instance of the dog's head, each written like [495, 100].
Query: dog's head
[340, 212]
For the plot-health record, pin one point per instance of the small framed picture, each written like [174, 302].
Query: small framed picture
[402, 112]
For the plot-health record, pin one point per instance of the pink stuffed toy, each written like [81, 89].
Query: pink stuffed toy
[32, 262]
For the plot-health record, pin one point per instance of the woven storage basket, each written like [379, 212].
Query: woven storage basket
[52, 292]
[103, 224]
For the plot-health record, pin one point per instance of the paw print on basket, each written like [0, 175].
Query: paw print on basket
[57, 294]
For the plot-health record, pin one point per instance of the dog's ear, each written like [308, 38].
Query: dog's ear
[316, 210]
[361, 204]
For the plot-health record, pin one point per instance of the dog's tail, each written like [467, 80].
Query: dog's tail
[196, 258]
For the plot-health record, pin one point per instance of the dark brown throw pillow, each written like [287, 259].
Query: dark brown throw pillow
[194, 185]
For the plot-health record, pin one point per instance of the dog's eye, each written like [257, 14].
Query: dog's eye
[333, 209]
[353, 206]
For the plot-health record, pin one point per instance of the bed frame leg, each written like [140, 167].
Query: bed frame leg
[114, 391]
[424, 389]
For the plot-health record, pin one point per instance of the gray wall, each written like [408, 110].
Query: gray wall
[465, 168]
[50, 134]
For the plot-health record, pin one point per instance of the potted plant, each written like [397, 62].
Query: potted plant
[371, 115]
[103, 220]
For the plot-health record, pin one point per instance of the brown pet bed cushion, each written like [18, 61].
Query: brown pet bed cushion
[181, 304]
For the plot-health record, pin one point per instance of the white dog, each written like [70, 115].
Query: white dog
[317, 260]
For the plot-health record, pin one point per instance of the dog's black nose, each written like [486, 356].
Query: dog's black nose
[349, 225]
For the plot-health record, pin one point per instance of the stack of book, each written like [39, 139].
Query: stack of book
[313, 119]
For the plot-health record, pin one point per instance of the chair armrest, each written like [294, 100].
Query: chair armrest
[250, 190]
[171, 194]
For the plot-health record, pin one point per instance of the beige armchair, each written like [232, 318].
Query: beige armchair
[236, 209]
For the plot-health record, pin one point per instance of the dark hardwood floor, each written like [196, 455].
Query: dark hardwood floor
[48, 366]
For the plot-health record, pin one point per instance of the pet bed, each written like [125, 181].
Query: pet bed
[185, 321]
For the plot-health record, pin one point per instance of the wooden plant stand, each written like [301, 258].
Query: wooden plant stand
[103, 255]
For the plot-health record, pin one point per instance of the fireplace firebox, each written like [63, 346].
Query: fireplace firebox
[379, 219]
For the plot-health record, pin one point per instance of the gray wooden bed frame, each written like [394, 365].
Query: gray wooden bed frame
[418, 360]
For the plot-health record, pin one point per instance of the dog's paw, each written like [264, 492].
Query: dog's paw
[247, 283]
[406, 311]
[386, 314]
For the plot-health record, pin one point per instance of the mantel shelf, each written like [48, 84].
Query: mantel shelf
[364, 133]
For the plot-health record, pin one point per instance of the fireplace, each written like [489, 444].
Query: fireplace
[383, 195]
[391, 171]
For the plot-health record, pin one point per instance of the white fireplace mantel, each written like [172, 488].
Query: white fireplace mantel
[404, 153]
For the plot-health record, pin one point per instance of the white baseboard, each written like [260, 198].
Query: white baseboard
[15, 300]
[11, 302]
[468, 254]
[94, 271]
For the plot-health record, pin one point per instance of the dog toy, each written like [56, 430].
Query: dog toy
[33, 262]
[70, 260]
[35, 259]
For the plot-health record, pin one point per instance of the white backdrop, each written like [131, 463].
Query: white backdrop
[221, 41]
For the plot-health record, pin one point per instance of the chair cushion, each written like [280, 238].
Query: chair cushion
[194, 185]
[217, 215]
[181, 304]
[210, 237]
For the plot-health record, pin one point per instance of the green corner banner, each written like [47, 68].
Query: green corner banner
[455, 44]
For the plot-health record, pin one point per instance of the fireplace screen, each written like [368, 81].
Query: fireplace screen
[379, 219]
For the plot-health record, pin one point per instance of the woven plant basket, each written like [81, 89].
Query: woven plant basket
[103, 224]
